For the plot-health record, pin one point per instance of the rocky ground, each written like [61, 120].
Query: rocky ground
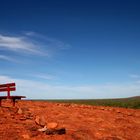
[32, 120]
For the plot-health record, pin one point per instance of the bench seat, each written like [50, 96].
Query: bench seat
[14, 98]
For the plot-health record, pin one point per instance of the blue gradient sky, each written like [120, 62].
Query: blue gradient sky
[71, 49]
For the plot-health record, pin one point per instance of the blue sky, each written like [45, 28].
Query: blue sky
[71, 49]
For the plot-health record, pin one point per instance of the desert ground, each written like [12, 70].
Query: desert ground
[81, 122]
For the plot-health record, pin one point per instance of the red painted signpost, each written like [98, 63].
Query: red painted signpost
[9, 87]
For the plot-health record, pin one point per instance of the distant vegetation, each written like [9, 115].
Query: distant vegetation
[133, 102]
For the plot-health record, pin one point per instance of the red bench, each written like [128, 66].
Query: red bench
[9, 87]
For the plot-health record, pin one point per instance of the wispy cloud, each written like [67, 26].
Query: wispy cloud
[51, 42]
[29, 33]
[134, 76]
[19, 44]
[44, 76]
[7, 58]
[138, 82]
[32, 43]
[5, 79]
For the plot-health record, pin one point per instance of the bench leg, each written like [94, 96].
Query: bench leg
[13, 102]
[0, 103]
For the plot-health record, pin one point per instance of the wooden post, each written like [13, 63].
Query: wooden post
[0, 102]
[14, 102]
[8, 91]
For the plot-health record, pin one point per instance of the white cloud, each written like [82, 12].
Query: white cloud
[51, 42]
[32, 43]
[29, 33]
[134, 76]
[5, 79]
[20, 44]
[40, 90]
[7, 58]
[138, 82]
[44, 76]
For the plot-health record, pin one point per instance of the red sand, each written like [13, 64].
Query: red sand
[82, 122]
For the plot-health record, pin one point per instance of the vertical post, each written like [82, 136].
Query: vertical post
[8, 91]
[13, 101]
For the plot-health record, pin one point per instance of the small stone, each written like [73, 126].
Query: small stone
[40, 120]
[118, 111]
[67, 105]
[59, 131]
[130, 114]
[20, 111]
[43, 129]
[29, 117]
[102, 108]
[26, 136]
[22, 118]
[52, 125]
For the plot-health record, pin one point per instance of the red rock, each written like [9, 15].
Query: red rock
[26, 136]
[40, 120]
[59, 131]
[43, 129]
[20, 111]
[52, 125]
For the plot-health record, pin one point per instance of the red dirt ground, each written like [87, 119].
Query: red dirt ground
[82, 122]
